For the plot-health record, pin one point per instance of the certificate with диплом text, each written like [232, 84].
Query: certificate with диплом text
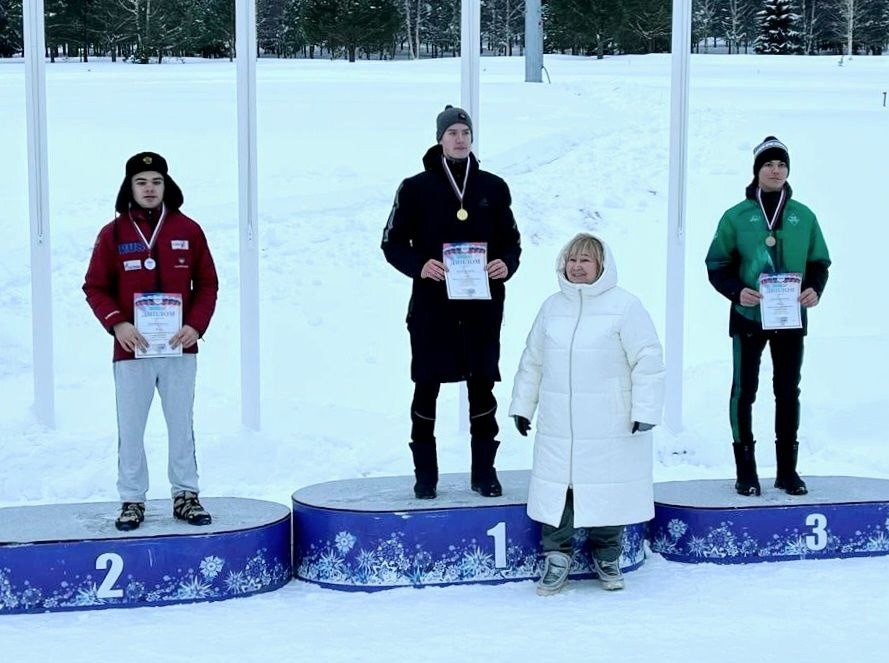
[779, 306]
[158, 317]
[466, 274]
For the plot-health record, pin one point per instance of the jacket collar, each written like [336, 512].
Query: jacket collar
[432, 161]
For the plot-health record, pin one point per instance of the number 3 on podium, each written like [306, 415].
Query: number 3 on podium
[817, 540]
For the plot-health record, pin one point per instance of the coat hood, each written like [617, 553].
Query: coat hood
[607, 279]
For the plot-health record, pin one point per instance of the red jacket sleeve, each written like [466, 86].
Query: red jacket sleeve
[100, 283]
[205, 285]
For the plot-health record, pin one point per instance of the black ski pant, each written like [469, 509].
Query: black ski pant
[787, 360]
[482, 410]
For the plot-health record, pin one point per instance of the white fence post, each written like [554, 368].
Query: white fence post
[38, 205]
[245, 41]
[674, 332]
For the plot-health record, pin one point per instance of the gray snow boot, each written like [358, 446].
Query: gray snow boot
[556, 566]
[609, 574]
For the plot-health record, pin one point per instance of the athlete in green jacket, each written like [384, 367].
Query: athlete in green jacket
[767, 233]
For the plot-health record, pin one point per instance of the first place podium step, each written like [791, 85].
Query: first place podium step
[371, 534]
[71, 557]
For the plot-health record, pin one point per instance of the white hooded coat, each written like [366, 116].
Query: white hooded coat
[592, 366]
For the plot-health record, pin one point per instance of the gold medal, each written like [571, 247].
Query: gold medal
[771, 241]
[462, 214]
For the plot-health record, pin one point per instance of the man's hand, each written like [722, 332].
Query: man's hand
[750, 297]
[433, 269]
[497, 269]
[186, 337]
[129, 337]
[522, 425]
[809, 298]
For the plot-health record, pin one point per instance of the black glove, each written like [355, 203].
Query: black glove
[639, 427]
[522, 425]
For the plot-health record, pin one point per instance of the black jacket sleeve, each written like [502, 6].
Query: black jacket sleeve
[510, 240]
[397, 242]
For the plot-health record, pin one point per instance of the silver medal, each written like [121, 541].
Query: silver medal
[149, 263]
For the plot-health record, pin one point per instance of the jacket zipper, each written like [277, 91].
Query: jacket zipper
[571, 395]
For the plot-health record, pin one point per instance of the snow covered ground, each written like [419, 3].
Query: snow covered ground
[589, 151]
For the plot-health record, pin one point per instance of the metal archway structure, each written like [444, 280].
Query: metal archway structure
[245, 20]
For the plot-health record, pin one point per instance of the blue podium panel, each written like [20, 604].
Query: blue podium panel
[706, 521]
[370, 534]
[71, 557]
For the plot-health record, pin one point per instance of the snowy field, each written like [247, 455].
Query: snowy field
[588, 151]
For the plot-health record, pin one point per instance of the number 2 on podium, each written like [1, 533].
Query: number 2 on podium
[114, 563]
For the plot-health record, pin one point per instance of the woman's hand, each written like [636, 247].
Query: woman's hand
[522, 425]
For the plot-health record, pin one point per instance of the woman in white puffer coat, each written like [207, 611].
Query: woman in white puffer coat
[593, 370]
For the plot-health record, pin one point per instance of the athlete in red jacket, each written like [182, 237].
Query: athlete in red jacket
[151, 247]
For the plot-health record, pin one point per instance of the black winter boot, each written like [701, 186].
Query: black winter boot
[745, 466]
[483, 478]
[425, 469]
[786, 477]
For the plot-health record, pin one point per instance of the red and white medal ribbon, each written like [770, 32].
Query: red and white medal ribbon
[770, 240]
[462, 214]
[149, 244]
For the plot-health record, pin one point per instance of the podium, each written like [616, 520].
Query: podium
[71, 557]
[372, 534]
[706, 521]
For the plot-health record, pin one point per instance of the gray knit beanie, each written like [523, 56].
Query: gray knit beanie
[450, 115]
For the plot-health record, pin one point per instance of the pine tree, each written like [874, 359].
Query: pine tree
[582, 26]
[10, 27]
[872, 33]
[777, 32]
[349, 25]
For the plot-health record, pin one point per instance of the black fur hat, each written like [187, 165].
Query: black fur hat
[140, 163]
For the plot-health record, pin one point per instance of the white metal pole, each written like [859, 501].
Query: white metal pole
[675, 300]
[245, 41]
[38, 203]
[470, 52]
[533, 42]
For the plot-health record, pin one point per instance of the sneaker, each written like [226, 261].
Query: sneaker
[131, 516]
[186, 507]
[609, 574]
[556, 566]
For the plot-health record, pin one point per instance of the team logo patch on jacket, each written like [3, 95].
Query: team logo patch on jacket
[130, 247]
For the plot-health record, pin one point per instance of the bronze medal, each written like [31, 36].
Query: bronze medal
[462, 214]
[770, 222]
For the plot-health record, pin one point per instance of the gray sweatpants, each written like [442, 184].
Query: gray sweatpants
[135, 381]
[605, 541]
